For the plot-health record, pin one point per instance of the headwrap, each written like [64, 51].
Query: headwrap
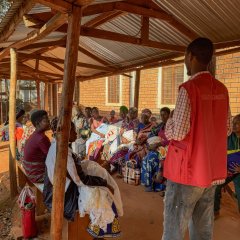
[153, 141]
[124, 109]
[19, 113]
[112, 112]
[147, 112]
[133, 110]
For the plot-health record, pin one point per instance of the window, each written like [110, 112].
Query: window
[172, 78]
[113, 88]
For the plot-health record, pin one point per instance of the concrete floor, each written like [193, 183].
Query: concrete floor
[143, 212]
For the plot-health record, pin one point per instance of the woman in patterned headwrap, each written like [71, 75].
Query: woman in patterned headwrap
[144, 130]
[131, 122]
[139, 149]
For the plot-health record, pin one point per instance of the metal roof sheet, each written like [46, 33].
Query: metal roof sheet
[216, 19]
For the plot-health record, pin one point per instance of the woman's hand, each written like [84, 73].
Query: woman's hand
[235, 168]
[102, 135]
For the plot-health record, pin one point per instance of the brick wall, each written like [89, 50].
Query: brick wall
[93, 92]
[149, 90]
[228, 71]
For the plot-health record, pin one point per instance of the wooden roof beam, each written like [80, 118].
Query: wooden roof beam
[145, 29]
[104, 17]
[228, 44]
[17, 18]
[58, 60]
[36, 35]
[63, 6]
[141, 65]
[61, 42]
[93, 56]
[102, 34]
[170, 18]
[59, 5]
[55, 66]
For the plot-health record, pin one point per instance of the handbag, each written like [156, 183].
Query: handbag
[131, 173]
[27, 203]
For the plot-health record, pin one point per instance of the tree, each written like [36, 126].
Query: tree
[4, 6]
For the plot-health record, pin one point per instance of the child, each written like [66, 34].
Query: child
[150, 171]
[112, 119]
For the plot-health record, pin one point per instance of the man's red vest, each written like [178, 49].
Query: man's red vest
[200, 158]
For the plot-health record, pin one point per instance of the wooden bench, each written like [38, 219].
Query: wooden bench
[71, 230]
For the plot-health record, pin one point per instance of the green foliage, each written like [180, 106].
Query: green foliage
[4, 6]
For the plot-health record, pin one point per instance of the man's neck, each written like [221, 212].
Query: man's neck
[198, 69]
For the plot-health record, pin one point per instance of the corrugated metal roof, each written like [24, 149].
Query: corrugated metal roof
[216, 19]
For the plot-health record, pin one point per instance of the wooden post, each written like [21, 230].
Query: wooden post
[37, 85]
[50, 87]
[137, 88]
[46, 105]
[12, 124]
[76, 95]
[54, 99]
[38, 95]
[64, 124]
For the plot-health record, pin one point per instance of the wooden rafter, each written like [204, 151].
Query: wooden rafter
[227, 44]
[61, 42]
[17, 18]
[93, 56]
[145, 29]
[58, 60]
[59, 5]
[97, 33]
[63, 6]
[141, 65]
[34, 36]
[104, 17]
[55, 66]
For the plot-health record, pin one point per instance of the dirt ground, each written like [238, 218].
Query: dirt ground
[143, 212]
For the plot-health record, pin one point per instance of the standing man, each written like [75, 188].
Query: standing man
[196, 160]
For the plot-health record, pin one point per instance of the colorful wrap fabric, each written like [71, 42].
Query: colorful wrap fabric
[233, 158]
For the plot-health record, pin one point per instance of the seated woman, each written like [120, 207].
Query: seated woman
[233, 169]
[113, 119]
[76, 182]
[28, 130]
[131, 122]
[75, 173]
[139, 150]
[20, 113]
[98, 129]
[135, 150]
[36, 148]
[123, 113]
[79, 121]
[151, 166]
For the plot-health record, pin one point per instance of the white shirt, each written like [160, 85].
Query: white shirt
[71, 168]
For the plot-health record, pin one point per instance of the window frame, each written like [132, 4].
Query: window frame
[160, 78]
[120, 93]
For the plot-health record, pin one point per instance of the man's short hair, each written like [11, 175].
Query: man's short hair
[202, 49]
[37, 117]
[165, 109]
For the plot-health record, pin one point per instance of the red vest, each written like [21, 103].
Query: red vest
[200, 158]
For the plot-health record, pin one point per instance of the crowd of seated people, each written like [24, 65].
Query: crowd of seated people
[111, 143]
